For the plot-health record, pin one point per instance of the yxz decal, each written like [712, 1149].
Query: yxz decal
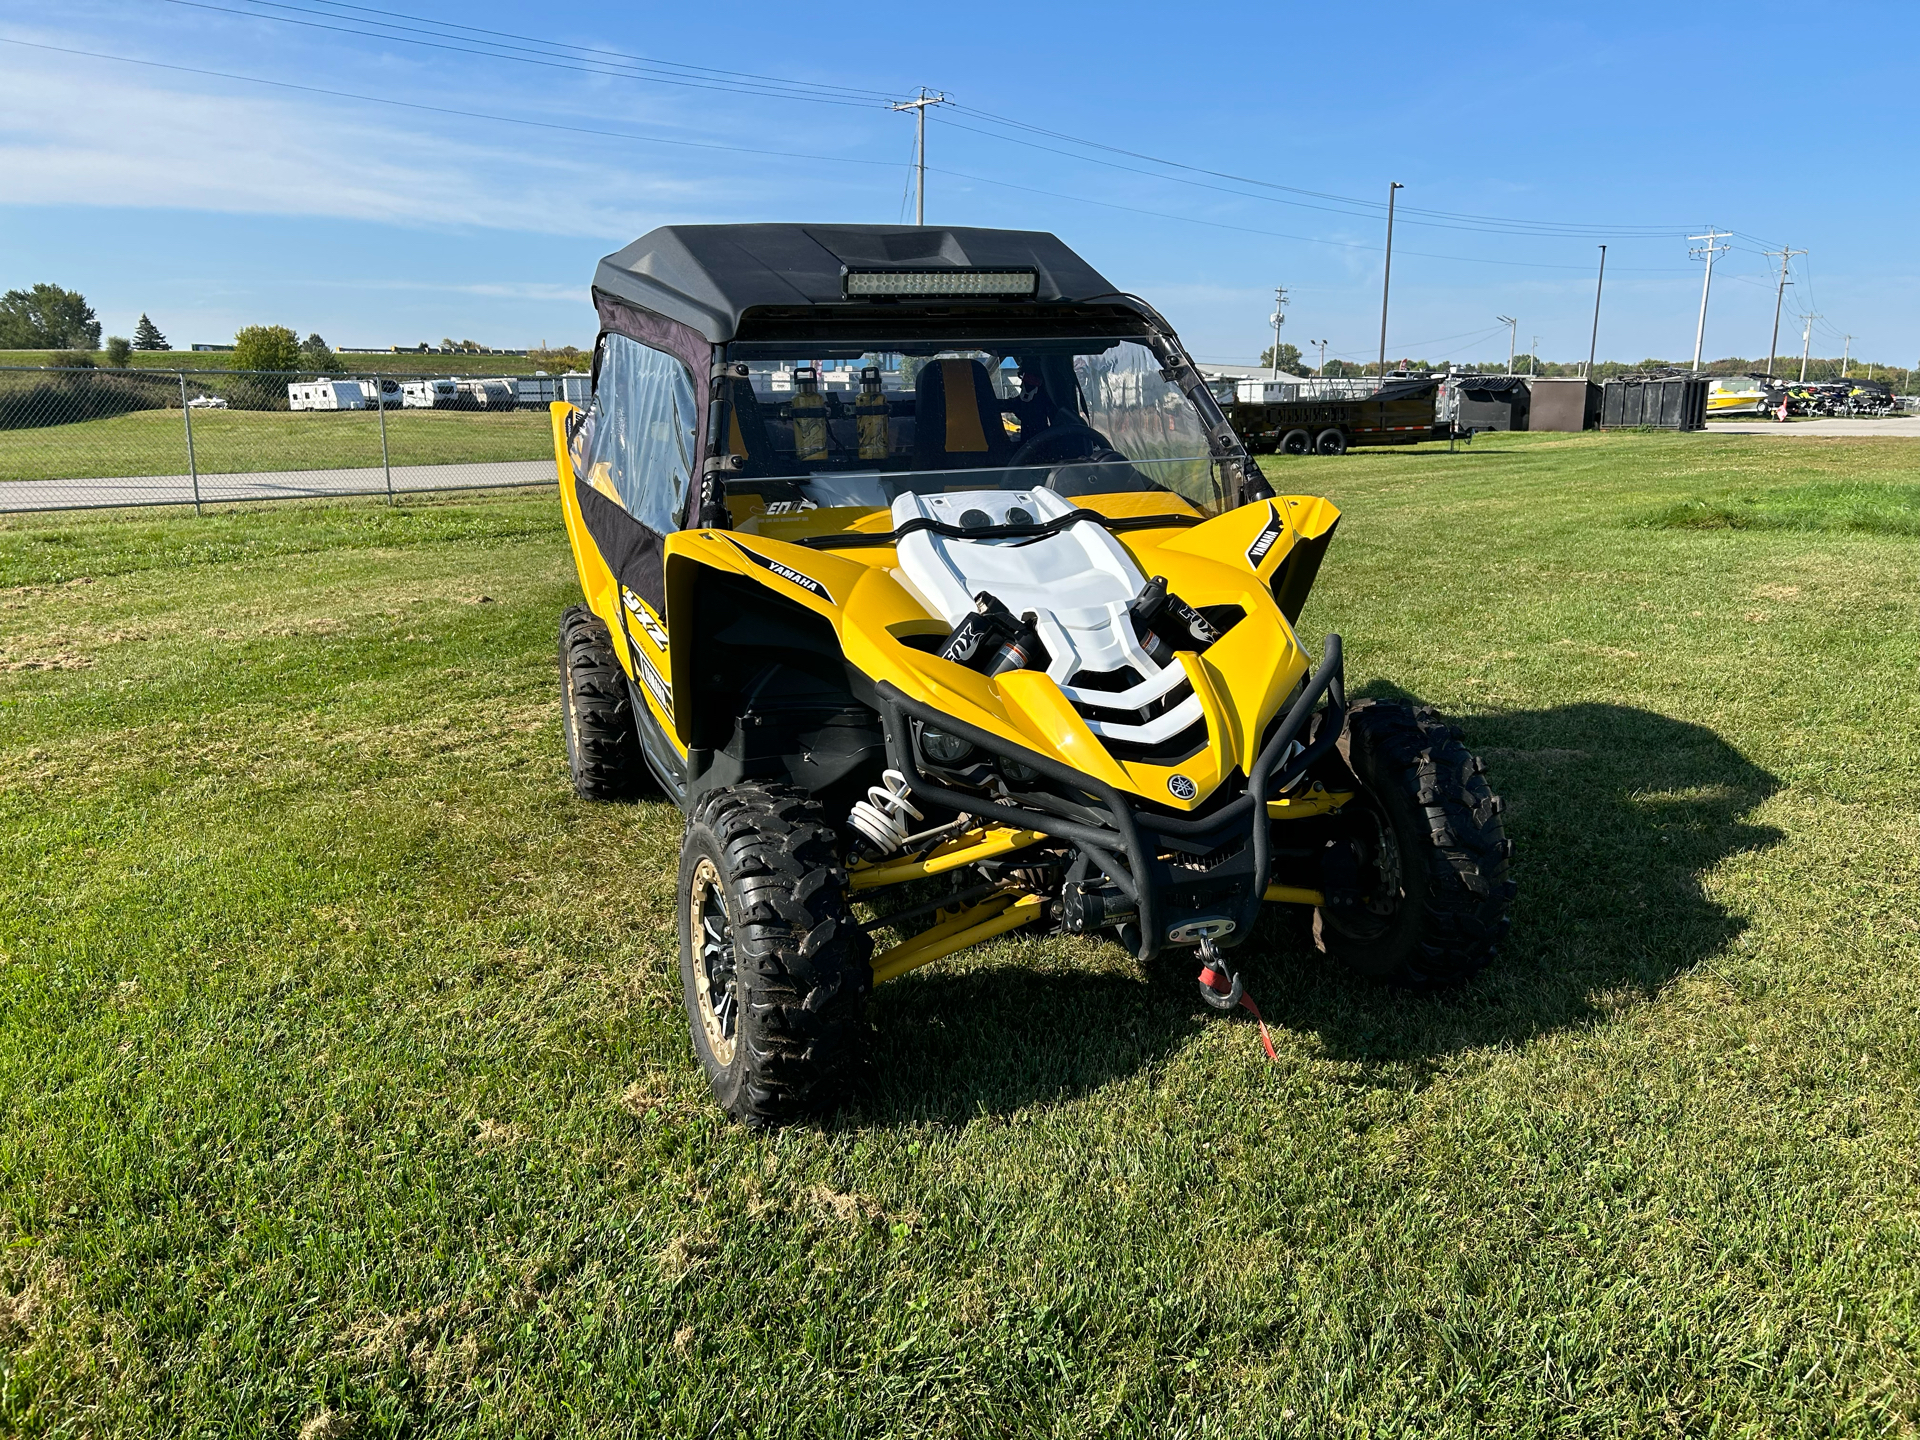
[787, 573]
[638, 608]
[1269, 534]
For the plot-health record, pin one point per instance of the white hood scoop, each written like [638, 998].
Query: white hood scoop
[1077, 584]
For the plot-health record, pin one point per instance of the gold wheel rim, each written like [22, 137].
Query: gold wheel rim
[715, 980]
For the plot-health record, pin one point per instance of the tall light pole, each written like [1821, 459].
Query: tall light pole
[1321, 373]
[919, 108]
[1593, 345]
[1778, 295]
[1279, 318]
[1710, 249]
[1512, 331]
[1533, 354]
[1386, 276]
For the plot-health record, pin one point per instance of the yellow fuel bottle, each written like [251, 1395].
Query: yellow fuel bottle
[870, 416]
[809, 410]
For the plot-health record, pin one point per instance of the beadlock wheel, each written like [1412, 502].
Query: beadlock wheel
[715, 978]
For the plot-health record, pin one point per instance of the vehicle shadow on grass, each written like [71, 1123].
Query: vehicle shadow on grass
[1615, 813]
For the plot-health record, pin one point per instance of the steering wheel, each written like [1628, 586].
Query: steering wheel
[1059, 436]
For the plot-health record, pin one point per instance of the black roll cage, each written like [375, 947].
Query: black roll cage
[1116, 845]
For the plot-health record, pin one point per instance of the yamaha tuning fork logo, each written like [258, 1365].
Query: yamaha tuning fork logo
[1181, 788]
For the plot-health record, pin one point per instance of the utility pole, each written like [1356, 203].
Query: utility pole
[1279, 318]
[919, 108]
[1386, 276]
[1806, 344]
[1512, 331]
[1533, 354]
[1321, 373]
[1778, 295]
[1710, 249]
[1593, 345]
[1846, 354]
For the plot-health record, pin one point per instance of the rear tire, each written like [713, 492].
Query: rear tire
[774, 970]
[1296, 442]
[596, 712]
[1431, 853]
[1331, 442]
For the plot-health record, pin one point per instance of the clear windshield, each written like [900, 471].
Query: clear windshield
[1081, 417]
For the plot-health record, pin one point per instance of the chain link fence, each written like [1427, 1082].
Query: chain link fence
[74, 439]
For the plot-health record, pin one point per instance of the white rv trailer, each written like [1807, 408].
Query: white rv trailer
[326, 395]
[429, 394]
[484, 395]
[576, 388]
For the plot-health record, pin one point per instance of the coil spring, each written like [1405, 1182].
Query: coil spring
[882, 816]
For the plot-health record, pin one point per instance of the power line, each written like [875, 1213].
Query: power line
[1374, 207]
[1275, 199]
[1057, 194]
[549, 64]
[386, 17]
[450, 110]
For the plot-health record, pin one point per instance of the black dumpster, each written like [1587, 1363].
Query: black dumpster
[1491, 402]
[1564, 405]
[1675, 402]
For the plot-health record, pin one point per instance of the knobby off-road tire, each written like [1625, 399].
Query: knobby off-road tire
[1433, 856]
[774, 969]
[596, 711]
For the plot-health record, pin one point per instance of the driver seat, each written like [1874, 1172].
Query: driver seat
[956, 418]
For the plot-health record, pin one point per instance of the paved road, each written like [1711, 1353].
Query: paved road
[21, 495]
[1906, 426]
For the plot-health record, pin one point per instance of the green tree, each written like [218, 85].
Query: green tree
[47, 318]
[147, 336]
[266, 347]
[119, 351]
[317, 356]
[1289, 360]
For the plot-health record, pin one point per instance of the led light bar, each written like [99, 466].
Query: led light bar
[920, 284]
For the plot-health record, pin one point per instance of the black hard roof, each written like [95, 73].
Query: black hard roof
[708, 276]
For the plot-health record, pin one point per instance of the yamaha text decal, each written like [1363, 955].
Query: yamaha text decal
[1269, 533]
[787, 573]
[637, 608]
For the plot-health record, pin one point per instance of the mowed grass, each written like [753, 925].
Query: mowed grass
[347, 1090]
[225, 442]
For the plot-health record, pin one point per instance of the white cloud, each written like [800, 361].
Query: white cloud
[78, 133]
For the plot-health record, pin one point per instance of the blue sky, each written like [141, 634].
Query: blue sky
[1525, 136]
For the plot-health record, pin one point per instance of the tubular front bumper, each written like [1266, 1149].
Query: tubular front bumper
[1125, 843]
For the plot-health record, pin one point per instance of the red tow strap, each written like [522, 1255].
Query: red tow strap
[1211, 978]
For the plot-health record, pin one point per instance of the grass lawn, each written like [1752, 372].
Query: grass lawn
[346, 1085]
[153, 442]
[405, 362]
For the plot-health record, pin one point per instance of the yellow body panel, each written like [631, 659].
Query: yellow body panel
[1241, 681]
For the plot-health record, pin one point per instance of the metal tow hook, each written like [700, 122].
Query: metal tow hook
[1212, 970]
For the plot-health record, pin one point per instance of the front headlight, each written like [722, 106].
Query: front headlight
[944, 749]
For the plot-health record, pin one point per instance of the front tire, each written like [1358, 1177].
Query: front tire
[774, 970]
[1430, 854]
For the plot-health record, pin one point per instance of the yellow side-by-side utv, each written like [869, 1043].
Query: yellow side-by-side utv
[924, 574]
